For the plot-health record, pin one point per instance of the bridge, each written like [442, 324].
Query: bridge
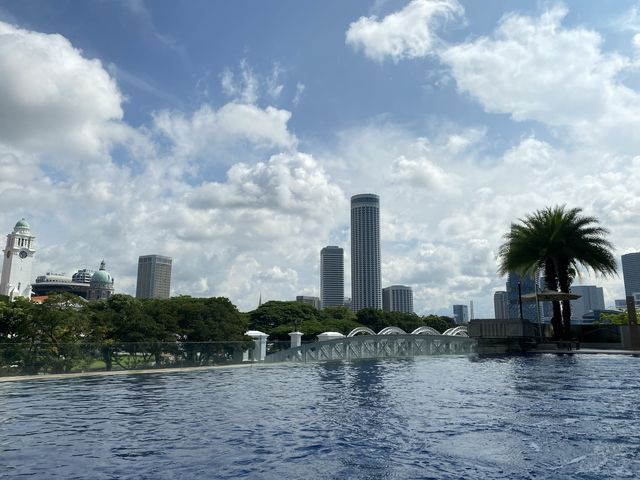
[390, 342]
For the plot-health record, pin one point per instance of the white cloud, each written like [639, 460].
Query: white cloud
[292, 183]
[300, 88]
[407, 33]
[243, 88]
[53, 99]
[536, 69]
[218, 136]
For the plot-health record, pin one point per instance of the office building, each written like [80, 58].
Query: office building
[591, 299]
[397, 298]
[331, 276]
[366, 291]
[460, 314]
[154, 277]
[15, 280]
[313, 301]
[631, 273]
[527, 285]
[500, 305]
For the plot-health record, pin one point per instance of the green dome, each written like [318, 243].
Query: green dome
[102, 276]
[22, 225]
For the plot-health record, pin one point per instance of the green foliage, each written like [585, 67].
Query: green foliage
[558, 241]
[621, 318]
[54, 336]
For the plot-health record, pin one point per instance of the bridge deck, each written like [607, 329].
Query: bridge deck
[376, 346]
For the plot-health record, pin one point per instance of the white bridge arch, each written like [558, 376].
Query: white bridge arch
[359, 330]
[362, 342]
[459, 331]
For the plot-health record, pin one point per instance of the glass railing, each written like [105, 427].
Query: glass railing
[55, 358]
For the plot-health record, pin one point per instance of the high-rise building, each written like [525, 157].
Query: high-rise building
[500, 305]
[527, 285]
[18, 260]
[591, 298]
[366, 291]
[331, 276]
[460, 314]
[154, 277]
[631, 273]
[397, 298]
[309, 300]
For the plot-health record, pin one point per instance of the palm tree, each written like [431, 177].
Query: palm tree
[558, 242]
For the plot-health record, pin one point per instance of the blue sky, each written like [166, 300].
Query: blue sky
[230, 135]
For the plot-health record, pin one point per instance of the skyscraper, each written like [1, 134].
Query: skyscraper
[154, 277]
[591, 298]
[527, 285]
[365, 252]
[501, 305]
[631, 273]
[331, 276]
[397, 298]
[460, 314]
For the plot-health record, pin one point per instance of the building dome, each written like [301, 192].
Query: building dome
[22, 225]
[102, 276]
[101, 285]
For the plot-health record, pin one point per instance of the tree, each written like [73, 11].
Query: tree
[559, 242]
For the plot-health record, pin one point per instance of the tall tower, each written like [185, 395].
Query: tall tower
[365, 252]
[631, 273]
[18, 260]
[154, 276]
[501, 305]
[460, 314]
[331, 276]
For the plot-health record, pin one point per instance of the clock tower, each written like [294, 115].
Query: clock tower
[18, 259]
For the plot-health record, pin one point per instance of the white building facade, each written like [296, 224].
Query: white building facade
[397, 298]
[18, 262]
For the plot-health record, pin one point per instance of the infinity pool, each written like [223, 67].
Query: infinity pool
[542, 416]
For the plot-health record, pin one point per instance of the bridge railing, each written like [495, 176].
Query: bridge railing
[375, 346]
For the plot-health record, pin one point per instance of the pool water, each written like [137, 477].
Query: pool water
[538, 416]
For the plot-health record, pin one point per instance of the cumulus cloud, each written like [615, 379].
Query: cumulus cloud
[287, 182]
[53, 99]
[214, 135]
[536, 69]
[408, 33]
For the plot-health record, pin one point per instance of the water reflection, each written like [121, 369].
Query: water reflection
[436, 417]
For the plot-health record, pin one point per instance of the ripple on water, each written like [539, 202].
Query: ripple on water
[438, 417]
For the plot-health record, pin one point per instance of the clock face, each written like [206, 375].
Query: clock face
[23, 254]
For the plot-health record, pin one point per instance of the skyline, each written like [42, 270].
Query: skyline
[233, 145]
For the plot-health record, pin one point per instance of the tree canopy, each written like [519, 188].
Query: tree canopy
[559, 242]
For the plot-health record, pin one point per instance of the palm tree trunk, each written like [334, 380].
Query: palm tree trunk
[563, 278]
[551, 279]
